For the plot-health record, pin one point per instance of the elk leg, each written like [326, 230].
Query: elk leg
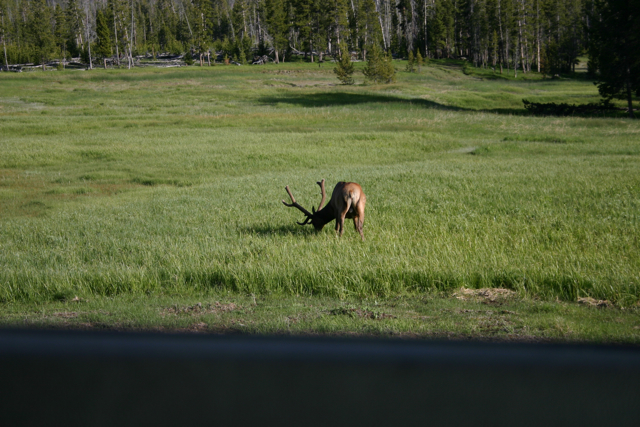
[343, 214]
[359, 225]
[359, 221]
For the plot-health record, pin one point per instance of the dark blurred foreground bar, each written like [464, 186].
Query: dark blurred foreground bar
[127, 379]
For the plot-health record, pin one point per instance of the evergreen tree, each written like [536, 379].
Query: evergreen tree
[419, 60]
[103, 33]
[3, 31]
[338, 21]
[277, 25]
[344, 68]
[379, 68]
[73, 19]
[615, 49]
[41, 31]
[60, 32]
[371, 33]
[411, 66]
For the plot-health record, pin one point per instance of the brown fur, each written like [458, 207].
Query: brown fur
[347, 201]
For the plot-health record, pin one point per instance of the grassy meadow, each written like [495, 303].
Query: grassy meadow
[153, 185]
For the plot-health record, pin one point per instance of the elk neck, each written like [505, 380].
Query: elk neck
[323, 217]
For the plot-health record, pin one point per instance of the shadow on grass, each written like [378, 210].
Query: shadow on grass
[282, 230]
[331, 99]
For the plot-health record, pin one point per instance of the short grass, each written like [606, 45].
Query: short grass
[427, 315]
[158, 184]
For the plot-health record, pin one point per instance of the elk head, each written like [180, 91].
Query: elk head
[347, 201]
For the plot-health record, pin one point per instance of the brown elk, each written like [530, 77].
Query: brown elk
[347, 201]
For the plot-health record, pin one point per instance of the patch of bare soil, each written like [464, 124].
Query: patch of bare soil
[361, 312]
[485, 295]
[592, 302]
[66, 314]
[198, 327]
[199, 308]
[292, 71]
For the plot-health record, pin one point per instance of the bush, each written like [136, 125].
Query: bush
[379, 68]
[564, 109]
[411, 64]
[344, 68]
[420, 60]
[188, 59]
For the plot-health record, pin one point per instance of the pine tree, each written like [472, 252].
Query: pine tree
[74, 28]
[103, 47]
[60, 32]
[615, 49]
[3, 31]
[388, 70]
[411, 68]
[379, 68]
[276, 23]
[338, 13]
[419, 60]
[41, 31]
[344, 68]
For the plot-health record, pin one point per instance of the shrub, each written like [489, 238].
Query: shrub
[411, 63]
[379, 68]
[564, 109]
[188, 59]
[344, 67]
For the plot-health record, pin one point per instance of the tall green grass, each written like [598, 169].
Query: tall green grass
[170, 181]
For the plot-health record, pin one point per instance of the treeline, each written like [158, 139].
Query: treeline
[516, 35]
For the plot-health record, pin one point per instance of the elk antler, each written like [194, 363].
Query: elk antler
[295, 204]
[324, 193]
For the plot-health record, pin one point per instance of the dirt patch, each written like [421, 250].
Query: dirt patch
[485, 295]
[198, 327]
[293, 72]
[592, 302]
[199, 308]
[66, 314]
[363, 313]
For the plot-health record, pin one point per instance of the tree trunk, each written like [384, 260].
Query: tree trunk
[132, 41]
[384, 40]
[501, 36]
[629, 101]
[426, 35]
[6, 61]
[115, 33]
[515, 61]
[105, 63]
[89, 43]
[4, 44]
[538, 31]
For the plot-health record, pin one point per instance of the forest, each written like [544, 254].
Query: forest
[545, 36]
[508, 35]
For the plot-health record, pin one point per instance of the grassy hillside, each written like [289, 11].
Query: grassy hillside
[168, 182]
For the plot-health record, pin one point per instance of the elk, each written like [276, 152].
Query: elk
[347, 201]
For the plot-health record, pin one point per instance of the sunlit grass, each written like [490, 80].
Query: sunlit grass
[169, 182]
